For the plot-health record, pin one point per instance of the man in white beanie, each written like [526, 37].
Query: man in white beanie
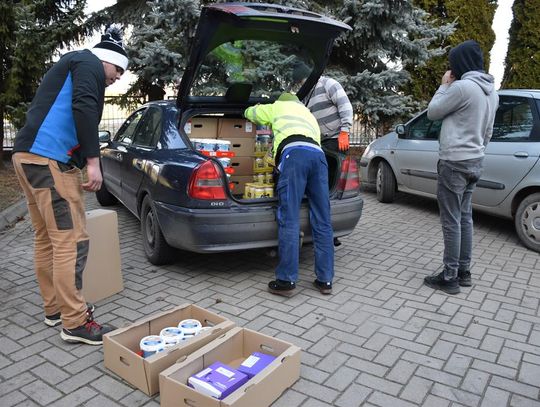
[59, 138]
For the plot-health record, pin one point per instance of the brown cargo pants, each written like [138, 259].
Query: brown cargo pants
[56, 204]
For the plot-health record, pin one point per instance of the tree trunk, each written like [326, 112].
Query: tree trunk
[2, 138]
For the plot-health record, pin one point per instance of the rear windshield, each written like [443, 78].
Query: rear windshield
[269, 68]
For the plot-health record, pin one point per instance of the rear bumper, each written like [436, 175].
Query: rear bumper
[241, 228]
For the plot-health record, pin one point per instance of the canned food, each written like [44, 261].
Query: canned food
[152, 344]
[261, 178]
[222, 145]
[259, 163]
[171, 336]
[269, 178]
[190, 327]
[247, 191]
[258, 192]
[269, 192]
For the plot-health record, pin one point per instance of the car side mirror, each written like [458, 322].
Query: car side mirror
[400, 130]
[104, 136]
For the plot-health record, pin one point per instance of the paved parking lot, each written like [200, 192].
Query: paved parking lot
[382, 339]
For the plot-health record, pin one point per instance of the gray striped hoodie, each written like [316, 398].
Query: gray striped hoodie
[331, 107]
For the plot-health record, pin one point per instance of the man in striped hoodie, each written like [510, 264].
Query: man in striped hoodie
[332, 108]
[330, 105]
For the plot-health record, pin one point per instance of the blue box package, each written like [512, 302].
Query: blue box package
[255, 363]
[217, 380]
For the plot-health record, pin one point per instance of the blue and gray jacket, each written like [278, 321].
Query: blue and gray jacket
[63, 118]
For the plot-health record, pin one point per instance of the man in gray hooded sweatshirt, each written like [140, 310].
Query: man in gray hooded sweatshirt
[466, 103]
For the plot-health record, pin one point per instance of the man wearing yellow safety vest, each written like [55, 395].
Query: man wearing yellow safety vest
[302, 170]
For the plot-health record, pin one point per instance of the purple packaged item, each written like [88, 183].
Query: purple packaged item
[217, 380]
[255, 363]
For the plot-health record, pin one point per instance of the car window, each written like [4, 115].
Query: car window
[424, 129]
[513, 121]
[265, 65]
[126, 132]
[149, 130]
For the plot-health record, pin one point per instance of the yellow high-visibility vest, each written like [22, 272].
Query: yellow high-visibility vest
[287, 116]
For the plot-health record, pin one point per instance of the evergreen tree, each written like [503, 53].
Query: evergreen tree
[159, 45]
[522, 65]
[472, 19]
[388, 37]
[31, 32]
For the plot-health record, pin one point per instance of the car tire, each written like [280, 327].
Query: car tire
[104, 197]
[527, 221]
[155, 246]
[385, 184]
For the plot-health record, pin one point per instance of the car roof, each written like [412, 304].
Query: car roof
[534, 93]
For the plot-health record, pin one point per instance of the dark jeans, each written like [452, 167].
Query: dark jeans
[456, 183]
[304, 171]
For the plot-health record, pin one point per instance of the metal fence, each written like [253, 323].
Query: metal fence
[113, 117]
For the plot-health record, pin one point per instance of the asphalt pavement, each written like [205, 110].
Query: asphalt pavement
[382, 339]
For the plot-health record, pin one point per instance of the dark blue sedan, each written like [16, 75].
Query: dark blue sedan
[243, 54]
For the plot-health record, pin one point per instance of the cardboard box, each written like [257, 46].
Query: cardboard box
[242, 146]
[202, 127]
[233, 348]
[236, 128]
[242, 165]
[121, 345]
[240, 182]
[102, 276]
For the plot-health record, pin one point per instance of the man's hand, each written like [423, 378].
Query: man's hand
[343, 141]
[94, 175]
[448, 78]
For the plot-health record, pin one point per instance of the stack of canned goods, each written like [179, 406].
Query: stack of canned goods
[170, 336]
[210, 144]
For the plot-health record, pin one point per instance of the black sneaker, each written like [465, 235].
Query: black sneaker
[56, 319]
[324, 288]
[90, 333]
[464, 278]
[280, 287]
[438, 282]
[337, 242]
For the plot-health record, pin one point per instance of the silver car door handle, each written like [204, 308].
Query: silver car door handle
[521, 154]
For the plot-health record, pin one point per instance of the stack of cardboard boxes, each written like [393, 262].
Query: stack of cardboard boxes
[247, 161]
[169, 371]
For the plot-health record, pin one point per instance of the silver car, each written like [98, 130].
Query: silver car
[406, 160]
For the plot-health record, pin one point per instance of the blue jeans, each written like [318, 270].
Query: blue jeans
[456, 183]
[304, 171]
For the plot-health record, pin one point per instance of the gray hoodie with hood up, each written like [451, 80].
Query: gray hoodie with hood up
[467, 106]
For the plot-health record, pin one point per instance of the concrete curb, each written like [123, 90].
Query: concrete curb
[10, 215]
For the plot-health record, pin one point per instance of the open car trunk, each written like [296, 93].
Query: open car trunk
[239, 146]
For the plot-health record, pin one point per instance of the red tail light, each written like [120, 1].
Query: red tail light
[206, 182]
[349, 179]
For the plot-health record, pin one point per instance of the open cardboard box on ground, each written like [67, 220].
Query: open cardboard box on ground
[121, 345]
[232, 348]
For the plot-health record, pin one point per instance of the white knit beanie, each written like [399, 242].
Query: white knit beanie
[111, 49]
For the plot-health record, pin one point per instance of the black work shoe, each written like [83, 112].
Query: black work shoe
[438, 282]
[281, 287]
[337, 242]
[324, 288]
[56, 319]
[90, 333]
[464, 278]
